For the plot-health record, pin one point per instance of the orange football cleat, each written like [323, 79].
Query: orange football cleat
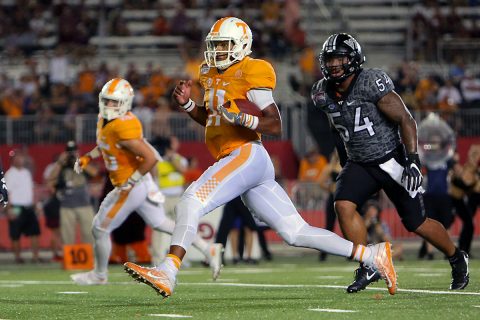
[157, 279]
[383, 263]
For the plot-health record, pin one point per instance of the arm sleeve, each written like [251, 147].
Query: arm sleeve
[262, 98]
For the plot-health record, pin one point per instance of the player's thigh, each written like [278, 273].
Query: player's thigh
[355, 184]
[117, 205]
[411, 210]
[270, 203]
[244, 168]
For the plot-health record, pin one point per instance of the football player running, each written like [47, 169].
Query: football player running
[128, 158]
[243, 165]
[363, 107]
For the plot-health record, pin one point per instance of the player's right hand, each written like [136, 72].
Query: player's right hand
[81, 163]
[412, 176]
[181, 93]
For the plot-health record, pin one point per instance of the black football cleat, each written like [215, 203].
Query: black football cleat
[460, 273]
[364, 275]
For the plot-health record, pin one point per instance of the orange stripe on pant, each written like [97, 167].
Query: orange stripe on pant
[115, 208]
[203, 192]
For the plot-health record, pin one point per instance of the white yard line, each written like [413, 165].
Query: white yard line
[251, 285]
[72, 292]
[168, 315]
[333, 310]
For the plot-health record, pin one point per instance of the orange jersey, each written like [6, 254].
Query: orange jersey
[222, 137]
[120, 163]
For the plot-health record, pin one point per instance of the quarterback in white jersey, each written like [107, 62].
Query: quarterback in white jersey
[243, 165]
[128, 158]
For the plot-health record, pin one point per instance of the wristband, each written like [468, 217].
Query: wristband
[189, 106]
[95, 153]
[135, 176]
[249, 121]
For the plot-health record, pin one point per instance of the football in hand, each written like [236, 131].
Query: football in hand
[245, 106]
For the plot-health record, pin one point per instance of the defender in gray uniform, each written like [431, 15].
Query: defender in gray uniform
[370, 117]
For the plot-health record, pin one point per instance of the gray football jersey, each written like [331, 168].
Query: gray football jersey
[367, 134]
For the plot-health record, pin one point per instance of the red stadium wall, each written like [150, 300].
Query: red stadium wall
[43, 154]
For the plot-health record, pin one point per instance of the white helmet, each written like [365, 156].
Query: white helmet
[119, 90]
[239, 35]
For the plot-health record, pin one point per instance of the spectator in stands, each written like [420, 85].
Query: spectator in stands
[12, 103]
[180, 21]
[102, 75]
[378, 230]
[406, 83]
[161, 126]
[311, 166]
[51, 211]
[426, 93]
[449, 97]
[462, 182]
[86, 79]
[160, 26]
[132, 74]
[59, 67]
[22, 218]
[470, 87]
[72, 191]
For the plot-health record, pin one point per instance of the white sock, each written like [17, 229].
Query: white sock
[171, 265]
[364, 254]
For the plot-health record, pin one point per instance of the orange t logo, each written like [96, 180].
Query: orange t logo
[243, 25]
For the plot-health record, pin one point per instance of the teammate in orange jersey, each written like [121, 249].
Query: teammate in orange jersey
[128, 158]
[243, 165]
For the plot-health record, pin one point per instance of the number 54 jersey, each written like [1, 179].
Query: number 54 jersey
[367, 134]
[222, 137]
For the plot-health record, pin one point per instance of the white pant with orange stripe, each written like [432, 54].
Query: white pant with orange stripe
[248, 171]
[117, 206]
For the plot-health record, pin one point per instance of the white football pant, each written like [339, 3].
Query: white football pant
[248, 171]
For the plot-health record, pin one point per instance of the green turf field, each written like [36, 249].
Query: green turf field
[288, 288]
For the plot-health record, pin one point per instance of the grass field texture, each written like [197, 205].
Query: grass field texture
[287, 288]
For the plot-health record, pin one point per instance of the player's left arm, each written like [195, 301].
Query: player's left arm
[141, 149]
[271, 122]
[392, 106]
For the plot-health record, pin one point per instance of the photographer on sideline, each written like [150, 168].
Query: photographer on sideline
[72, 191]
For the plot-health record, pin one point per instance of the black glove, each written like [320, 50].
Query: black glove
[412, 172]
[3, 190]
